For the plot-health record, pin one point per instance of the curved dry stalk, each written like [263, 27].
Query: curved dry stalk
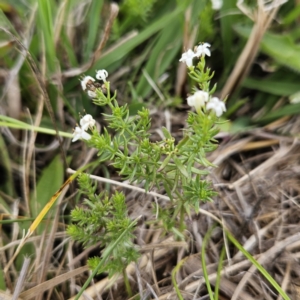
[114, 10]
[281, 153]
[41, 85]
[262, 18]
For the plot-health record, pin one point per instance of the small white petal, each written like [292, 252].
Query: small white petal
[92, 94]
[76, 134]
[187, 57]
[198, 99]
[87, 122]
[216, 4]
[101, 75]
[202, 49]
[191, 100]
[85, 80]
[85, 135]
[217, 105]
[79, 133]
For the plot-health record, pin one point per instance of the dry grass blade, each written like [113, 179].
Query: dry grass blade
[192, 287]
[253, 239]
[21, 279]
[11, 88]
[188, 42]
[31, 293]
[223, 153]
[38, 220]
[262, 19]
[280, 154]
[114, 9]
[7, 296]
[286, 279]
[41, 84]
[15, 243]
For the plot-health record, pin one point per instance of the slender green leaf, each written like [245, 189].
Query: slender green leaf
[50, 181]
[275, 87]
[181, 167]
[280, 47]
[107, 59]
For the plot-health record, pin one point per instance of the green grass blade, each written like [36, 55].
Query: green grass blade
[274, 87]
[7, 183]
[288, 110]
[280, 47]
[204, 269]
[259, 267]
[162, 55]
[174, 271]
[46, 29]
[50, 181]
[227, 21]
[107, 59]
[94, 17]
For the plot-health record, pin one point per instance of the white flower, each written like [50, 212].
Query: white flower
[198, 99]
[187, 57]
[92, 94]
[217, 105]
[216, 4]
[87, 122]
[202, 49]
[79, 134]
[101, 75]
[85, 81]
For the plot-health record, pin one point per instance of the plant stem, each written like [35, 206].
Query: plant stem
[127, 284]
[181, 224]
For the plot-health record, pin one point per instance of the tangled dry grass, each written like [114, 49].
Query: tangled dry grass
[258, 183]
[258, 202]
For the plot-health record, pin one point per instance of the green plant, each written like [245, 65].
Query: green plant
[177, 167]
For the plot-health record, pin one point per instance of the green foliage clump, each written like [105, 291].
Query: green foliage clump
[138, 8]
[104, 219]
[176, 167]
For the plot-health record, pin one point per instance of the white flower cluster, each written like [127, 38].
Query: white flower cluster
[201, 98]
[216, 4]
[88, 82]
[86, 122]
[202, 49]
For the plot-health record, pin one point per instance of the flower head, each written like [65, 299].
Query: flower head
[202, 49]
[79, 134]
[198, 99]
[87, 122]
[101, 75]
[187, 57]
[86, 80]
[217, 105]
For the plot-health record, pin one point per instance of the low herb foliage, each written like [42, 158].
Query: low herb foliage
[178, 168]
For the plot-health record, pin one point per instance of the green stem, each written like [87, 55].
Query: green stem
[127, 284]
[175, 270]
[181, 224]
[205, 274]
